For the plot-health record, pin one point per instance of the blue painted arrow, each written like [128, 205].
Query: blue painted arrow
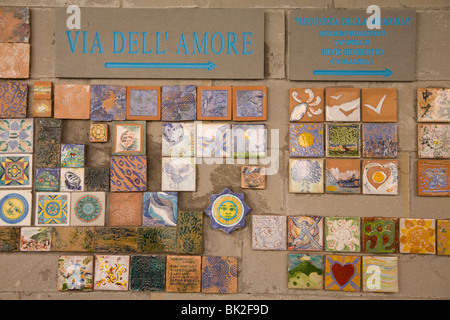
[386, 72]
[210, 66]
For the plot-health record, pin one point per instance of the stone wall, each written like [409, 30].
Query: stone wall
[262, 274]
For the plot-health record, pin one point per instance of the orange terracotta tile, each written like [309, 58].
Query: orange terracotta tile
[42, 108]
[379, 105]
[72, 101]
[14, 60]
[125, 209]
[42, 90]
[15, 24]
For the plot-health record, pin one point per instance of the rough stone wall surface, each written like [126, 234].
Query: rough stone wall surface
[262, 274]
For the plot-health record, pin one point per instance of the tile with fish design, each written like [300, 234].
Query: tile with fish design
[343, 104]
[75, 273]
[15, 208]
[108, 102]
[306, 104]
[179, 103]
[249, 103]
[13, 99]
[111, 273]
[219, 274]
[72, 155]
[15, 26]
[72, 101]
[253, 177]
[16, 135]
[433, 141]
[15, 58]
[433, 178]
[143, 103]
[433, 104]
[343, 176]
[379, 104]
[147, 273]
[128, 173]
[214, 103]
[129, 137]
[178, 174]
[380, 177]
[190, 232]
[160, 209]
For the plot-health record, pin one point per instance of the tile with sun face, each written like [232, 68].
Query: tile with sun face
[16, 171]
[306, 140]
[52, 209]
[143, 103]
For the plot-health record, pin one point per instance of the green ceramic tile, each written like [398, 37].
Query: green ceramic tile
[147, 273]
[73, 239]
[9, 239]
[190, 232]
[115, 239]
[157, 239]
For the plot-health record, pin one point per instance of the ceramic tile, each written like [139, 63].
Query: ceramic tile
[178, 174]
[190, 232]
[380, 177]
[306, 104]
[214, 103]
[13, 99]
[47, 155]
[108, 102]
[253, 177]
[16, 135]
[183, 274]
[213, 140]
[178, 139]
[111, 273]
[98, 132]
[72, 101]
[71, 179]
[73, 239]
[343, 104]
[129, 137]
[52, 208]
[343, 273]
[75, 273]
[417, 235]
[111, 239]
[379, 140]
[157, 239]
[160, 209]
[443, 237]
[249, 103]
[125, 209]
[35, 239]
[343, 140]
[147, 273]
[72, 155]
[9, 239]
[48, 131]
[16, 171]
[15, 208]
[343, 176]
[42, 90]
[380, 274]
[306, 140]
[15, 61]
[343, 234]
[305, 233]
[96, 179]
[268, 232]
[433, 141]
[88, 209]
[249, 140]
[128, 173]
[15, 25]
[433, 178]
[179, 103]
[379, 105]
[143, 103]
[227, 210]
[379, 235]
[433, 104]
[42, 108]
[219, 275]
[305, 271]
[306, 176]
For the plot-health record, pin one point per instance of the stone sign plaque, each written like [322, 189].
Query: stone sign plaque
[341, 45]
[160, 43]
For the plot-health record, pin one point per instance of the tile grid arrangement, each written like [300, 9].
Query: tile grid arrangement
[343, 140]
[433, 140]
[322, 240]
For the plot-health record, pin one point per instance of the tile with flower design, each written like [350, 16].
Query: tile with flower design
[15, 60]
[179, 103]
[88, 209]
[16, 135]
[379, 235]
[417, 235]
[269, 232]
[433, 178]
[380, 274]
[111, 273]
[306, 140]
[343, 234]
[306, 104]
[108, 102]
[433, 104]
[75, 273]
[443, 237]
[379, 104]
[13, 99]
[343, 176]
[35, 239]
[183, 274]
[305, 271]
[306, 176]
[305, 233]
[219, 274]
[98, 132]
[343, 104]
[433, 141]
[343, 273]
[72, 101]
